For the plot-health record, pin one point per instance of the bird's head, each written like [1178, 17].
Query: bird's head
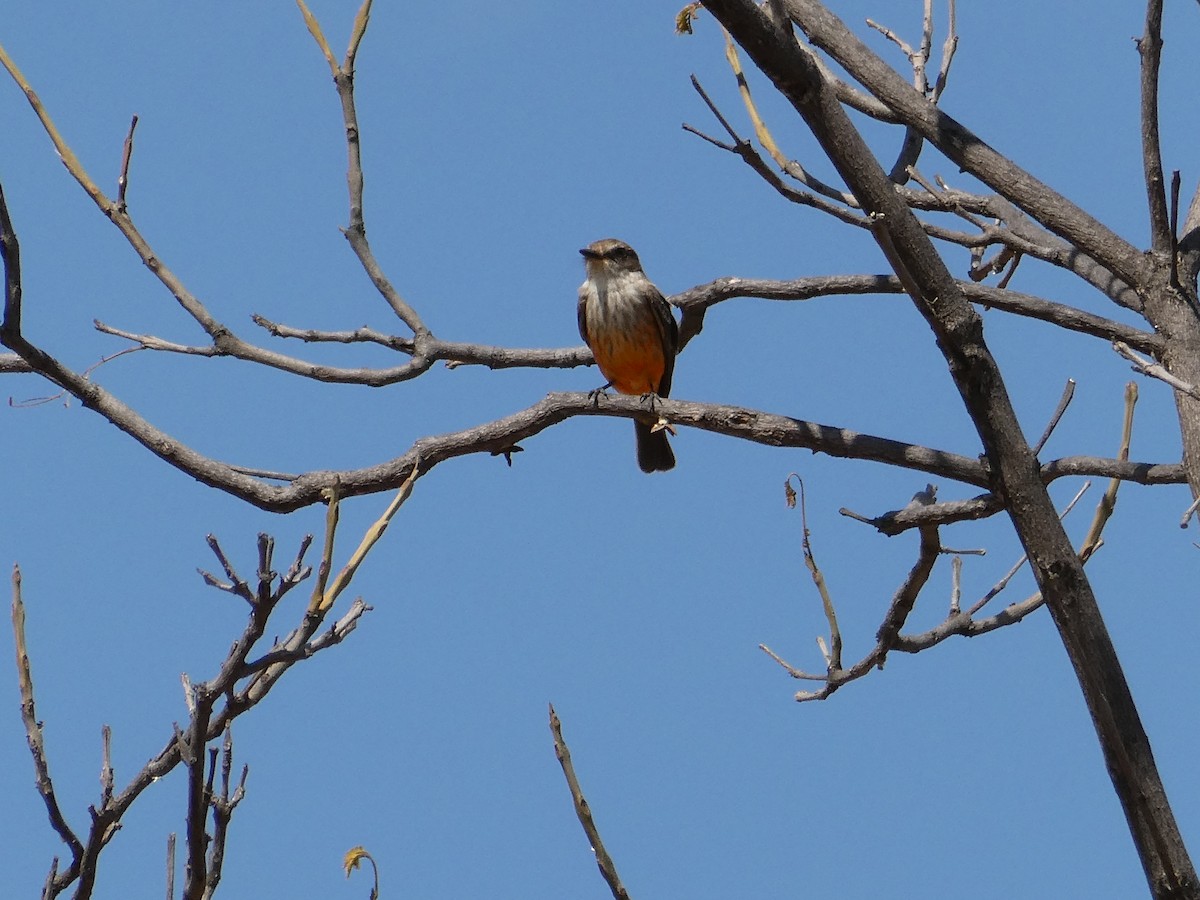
[610, 257]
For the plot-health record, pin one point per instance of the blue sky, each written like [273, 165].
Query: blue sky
[496, 142]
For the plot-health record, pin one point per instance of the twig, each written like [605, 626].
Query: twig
[355, 231]
[584, 813]
[33, 731]
[297, 571]
[225, 341]
[712, 107]
[763, 133]
[792, 670]
[1175, 185]
[314, 28]
[332, 513]
[1150, 49]
[361, 20]
[1108, 500]
[956, 565]
[1189, 512]
[1155, 370]
[373, 534]
[86, 375]
[195, 869]
[223, 806]
[432, 350]
[106, 769]
[1008, 576]
[235, 584]
[834, 655]
[906, 597]
[956, 622]
[948, 50]
[171, 866]
[126, 156]
[266, 575]
[1017, 256]
[895, 39]
[1063, 402]
[729, 288]
[967, 625]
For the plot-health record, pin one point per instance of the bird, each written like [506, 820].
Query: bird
[628, 325]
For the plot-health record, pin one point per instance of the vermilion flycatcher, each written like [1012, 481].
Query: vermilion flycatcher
[629, 326]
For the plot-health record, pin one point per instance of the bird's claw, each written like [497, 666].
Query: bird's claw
[595, 394]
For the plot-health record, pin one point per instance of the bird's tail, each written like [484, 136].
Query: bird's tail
[653, 449]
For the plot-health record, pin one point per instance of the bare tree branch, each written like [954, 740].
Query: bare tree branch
[957, 622]
[906, 596]
[1015, 230]
[1063, 402]
[910, 148]
[239, 684]
[454, 353]
[223, 805]
[694, 302]
[355, 232]
[833, 655]
[584, 812]
[171, 866]
[33, 731]
[1155, 370]
[1013, 469]
[191, 748]
[126, 157]
[963, 147]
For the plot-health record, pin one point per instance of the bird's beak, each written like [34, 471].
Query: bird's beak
[589, 253]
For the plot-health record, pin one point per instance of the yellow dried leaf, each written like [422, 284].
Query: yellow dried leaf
[353, 859]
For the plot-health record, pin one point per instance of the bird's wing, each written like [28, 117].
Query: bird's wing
[582, 313]
[669, 331]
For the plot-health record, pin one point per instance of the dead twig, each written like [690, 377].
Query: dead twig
[584, 812]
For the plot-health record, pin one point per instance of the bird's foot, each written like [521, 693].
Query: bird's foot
[595, 394]
[650, 399]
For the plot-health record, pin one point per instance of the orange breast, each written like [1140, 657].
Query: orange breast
[631, 358]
